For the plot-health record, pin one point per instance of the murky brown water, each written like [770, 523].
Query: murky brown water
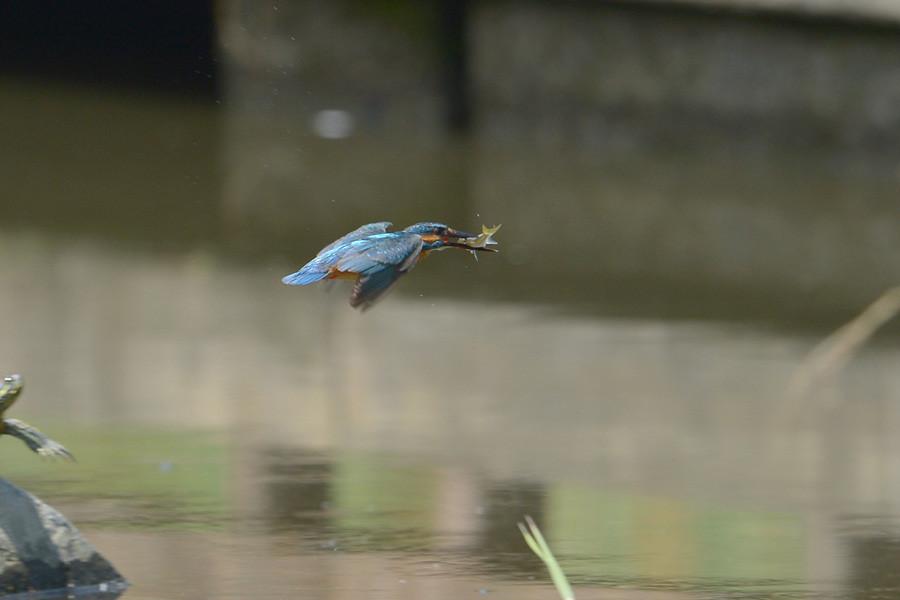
[240, 438]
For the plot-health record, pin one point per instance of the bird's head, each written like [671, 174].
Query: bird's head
[437, 235]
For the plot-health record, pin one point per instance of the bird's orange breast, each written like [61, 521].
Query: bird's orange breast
[334, 273]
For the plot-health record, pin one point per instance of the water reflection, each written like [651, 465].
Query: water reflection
[299, 490]
[241, 438]
[202, 394]
[876, 564]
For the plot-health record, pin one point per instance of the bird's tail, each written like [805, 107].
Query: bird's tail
[304, 276]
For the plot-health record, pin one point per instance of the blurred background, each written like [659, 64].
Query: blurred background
[693, 195]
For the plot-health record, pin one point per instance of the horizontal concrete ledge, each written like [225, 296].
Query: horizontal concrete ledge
[865, 11]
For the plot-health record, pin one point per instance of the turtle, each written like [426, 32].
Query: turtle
[34, 439]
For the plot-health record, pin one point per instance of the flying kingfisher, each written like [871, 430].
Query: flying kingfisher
[377, 259]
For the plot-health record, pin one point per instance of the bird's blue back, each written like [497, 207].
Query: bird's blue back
[357, 234]
[366, 255]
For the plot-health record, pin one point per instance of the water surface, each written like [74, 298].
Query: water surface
[238, 438]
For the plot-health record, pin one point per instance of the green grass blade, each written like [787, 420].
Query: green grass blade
[538, 545]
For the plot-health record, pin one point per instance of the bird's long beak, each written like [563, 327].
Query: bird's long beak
[460, 234]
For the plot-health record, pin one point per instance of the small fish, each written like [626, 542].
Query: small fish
[485, 239]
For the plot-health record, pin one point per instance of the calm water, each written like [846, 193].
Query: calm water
[238, 438]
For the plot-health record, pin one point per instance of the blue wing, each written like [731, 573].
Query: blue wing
[392, 251]
[357, 234]
[378, 259]
[316, 270]
[386, 258]
[369, 288]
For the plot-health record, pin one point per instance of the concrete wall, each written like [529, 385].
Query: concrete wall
[638, 78]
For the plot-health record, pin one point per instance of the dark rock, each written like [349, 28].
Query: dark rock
[41, 551]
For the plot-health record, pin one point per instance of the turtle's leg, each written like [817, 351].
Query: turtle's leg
[34, 439]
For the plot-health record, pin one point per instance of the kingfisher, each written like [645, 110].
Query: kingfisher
[377, 258]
